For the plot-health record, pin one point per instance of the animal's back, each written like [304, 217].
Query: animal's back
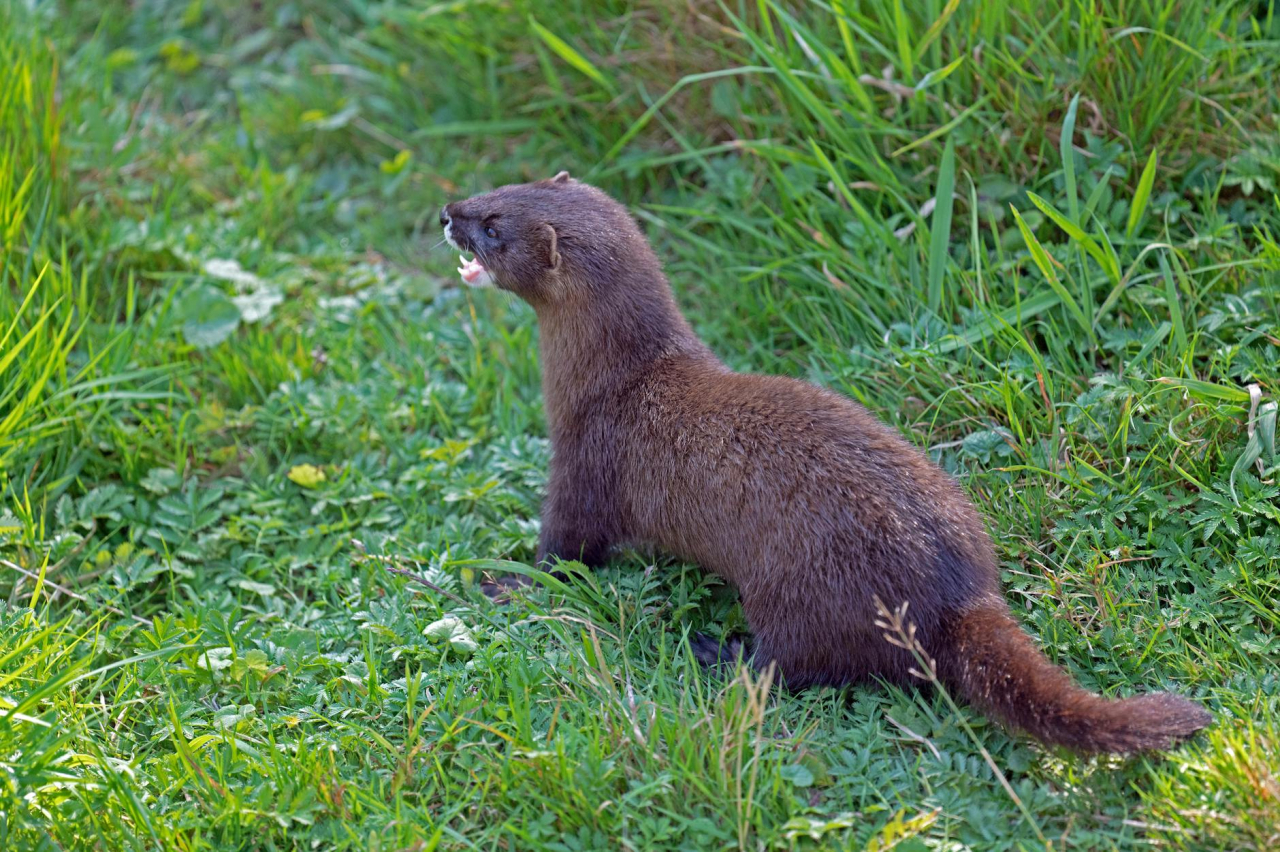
[800, 497]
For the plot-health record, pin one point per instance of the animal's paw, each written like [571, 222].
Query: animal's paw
[500, 589]
[713, 653]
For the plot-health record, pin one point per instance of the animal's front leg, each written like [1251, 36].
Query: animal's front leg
[580, 514]
[566, 546]
[579, 523]
[558, 542]
[576, 525]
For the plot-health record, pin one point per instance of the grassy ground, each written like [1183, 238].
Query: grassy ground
[235, 387]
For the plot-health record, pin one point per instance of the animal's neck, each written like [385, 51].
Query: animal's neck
[599, 342]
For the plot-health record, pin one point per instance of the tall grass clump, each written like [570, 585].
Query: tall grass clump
[36, 337]
[902, 122]
[66, 366]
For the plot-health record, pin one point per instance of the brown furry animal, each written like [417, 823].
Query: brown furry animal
[796, 495]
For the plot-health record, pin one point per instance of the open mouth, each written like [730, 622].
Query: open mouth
[473, 272]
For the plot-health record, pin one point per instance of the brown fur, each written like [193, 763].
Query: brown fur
[796, 495]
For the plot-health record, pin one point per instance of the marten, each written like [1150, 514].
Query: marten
[817, 512]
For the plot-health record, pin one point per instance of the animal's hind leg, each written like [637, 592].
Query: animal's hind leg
[804, 650]
[792, 670]
[715, 653]
[500, 589]
[757, 652]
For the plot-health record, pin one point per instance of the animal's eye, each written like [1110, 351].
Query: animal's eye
[491, 233]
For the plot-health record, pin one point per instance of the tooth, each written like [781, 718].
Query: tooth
[462, 258]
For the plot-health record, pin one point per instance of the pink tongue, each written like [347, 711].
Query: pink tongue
[470, 270]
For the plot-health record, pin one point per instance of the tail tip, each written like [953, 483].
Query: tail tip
[1158, 720]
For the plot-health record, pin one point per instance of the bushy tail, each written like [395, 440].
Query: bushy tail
[996, 666]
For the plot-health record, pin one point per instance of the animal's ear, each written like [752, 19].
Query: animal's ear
[553, 252]
[561, 177]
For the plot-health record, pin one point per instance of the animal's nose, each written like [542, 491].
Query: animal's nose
[444, 217]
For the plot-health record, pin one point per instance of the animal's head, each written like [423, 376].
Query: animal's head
[542, 241]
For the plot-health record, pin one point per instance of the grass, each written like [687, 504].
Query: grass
[236, 386]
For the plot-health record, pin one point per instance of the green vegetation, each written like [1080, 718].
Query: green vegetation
[237, 385]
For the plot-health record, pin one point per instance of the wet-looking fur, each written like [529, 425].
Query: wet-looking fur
[798, 496]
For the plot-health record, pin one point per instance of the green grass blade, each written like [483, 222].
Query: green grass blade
[17, 348]
[565, 51]
[1045, 264]
[1175, 306]
[936, 76]
[903, 35]
[851, 54]
[643, 120]
[1208, 391]
[1088, 243]
[1261, 442]
[1007, 318]
[935, 29]
[1142, 195]
[1067, 151]
[939, 131]
[940, 225]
